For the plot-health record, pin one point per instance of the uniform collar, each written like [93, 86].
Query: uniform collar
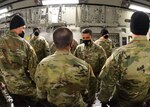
[10, 33]
[36, 37]
[62, 52]
[13, 34]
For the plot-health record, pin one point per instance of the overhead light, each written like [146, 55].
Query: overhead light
[4, 15]
[139, 8]
[4, 10]
[49, 2]
[125, 3]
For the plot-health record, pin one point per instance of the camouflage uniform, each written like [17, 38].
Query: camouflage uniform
[106, 44]
[18, 62]
[93, 54]
[73, 47]
[40, 46]
[61, 77]
[126, 74]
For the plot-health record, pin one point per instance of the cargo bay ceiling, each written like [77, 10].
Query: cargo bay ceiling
[18, 4]
[42, 16]
[55, 14]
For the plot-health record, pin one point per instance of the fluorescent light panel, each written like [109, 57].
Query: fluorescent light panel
[139, 8]
[4, 10]
[49, 2]
[4, 15]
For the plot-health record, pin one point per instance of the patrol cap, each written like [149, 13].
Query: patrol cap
[104, 31]
[17, 21]
[139, 23]
[36, 29]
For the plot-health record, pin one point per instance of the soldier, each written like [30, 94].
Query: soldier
[125, 78]
[73, 47]
[18, 62]
[90, 52]
[105, 42]
[61, 77]
[40, 45]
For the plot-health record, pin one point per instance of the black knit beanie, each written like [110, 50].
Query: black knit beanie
[17, 21]
[104, 32]
[36, 29]
[139, 23]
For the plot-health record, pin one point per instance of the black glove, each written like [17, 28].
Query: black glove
[104, 105]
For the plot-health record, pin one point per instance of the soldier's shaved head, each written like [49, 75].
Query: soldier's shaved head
[62, 37]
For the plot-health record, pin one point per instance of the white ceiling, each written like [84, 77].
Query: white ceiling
[16, 4]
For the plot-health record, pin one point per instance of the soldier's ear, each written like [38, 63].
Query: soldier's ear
[71, 44]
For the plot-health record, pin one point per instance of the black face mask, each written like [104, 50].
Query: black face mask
[87, 42]
[106, 36]
[22, 34]
[36, 33]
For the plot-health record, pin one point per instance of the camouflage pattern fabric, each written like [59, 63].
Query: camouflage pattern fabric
[126, 74]
[18, 62]
[61, 78]
[52, 48]
[93, 54]
[73, 47]
[40, 46]
[106, 44]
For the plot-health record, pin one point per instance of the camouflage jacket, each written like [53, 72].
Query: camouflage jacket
[73, 47]
[128, 72]
[61, 78]
[93, 54]
[18, 62]
[40, 46]
[106, 44]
